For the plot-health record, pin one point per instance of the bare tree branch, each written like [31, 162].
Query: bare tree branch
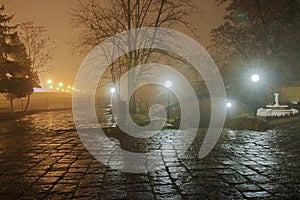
[40, 48]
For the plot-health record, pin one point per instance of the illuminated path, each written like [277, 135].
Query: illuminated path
[41, 156]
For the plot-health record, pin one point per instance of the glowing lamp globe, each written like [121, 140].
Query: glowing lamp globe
[255, 78]
[228, 105]
[168, 84]
[112, 90]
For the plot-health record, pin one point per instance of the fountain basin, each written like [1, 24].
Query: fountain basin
[276, 110]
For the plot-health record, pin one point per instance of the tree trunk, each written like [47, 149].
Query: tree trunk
[27, 103]
[132, 104]
[12, 105]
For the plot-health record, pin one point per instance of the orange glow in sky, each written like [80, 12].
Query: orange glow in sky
[54, 16]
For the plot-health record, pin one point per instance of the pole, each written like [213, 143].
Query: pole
[112, 115]
[111, 99]
[168, 113]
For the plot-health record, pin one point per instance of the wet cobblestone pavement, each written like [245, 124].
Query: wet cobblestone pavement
[42, 157]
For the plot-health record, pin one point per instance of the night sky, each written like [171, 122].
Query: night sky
[53, 14]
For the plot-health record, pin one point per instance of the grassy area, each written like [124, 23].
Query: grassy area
[258, 123]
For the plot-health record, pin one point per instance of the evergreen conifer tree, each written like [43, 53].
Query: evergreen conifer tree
[17, 79]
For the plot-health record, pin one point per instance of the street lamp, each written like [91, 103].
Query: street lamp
[59, 87]
[228, 104]
[112, 91]
[255, 78]
[168, 84]
[49, 82]
[229, 108]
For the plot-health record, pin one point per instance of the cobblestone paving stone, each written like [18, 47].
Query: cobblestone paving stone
[42, 157]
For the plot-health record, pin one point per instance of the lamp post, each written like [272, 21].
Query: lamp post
[112, 91]
[229, 107]
[255, 78]
[168, 84]
[60, 87]
[49, 82]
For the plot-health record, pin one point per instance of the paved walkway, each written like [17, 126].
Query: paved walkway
[42, 157]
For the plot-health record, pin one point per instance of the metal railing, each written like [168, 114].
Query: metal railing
[42, 101]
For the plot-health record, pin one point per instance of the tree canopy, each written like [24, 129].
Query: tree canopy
[261, 35]
[16, 77]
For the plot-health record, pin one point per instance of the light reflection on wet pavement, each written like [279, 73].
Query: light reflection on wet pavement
[41, 156]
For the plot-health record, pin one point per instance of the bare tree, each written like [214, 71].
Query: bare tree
[40, 48]
[100, 20]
